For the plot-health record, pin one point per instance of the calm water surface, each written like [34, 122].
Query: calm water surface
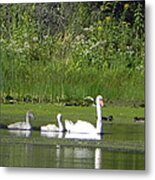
[64, 156]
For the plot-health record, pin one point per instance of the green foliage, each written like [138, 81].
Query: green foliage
[54, 51]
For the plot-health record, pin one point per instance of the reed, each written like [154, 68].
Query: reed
[45, 61]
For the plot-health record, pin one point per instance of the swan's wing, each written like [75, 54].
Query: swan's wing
[12, 126]
[79, 127]
[17, 125]
[84, 124]
[52, 127]
[43, 128]
[83, 127]
[49, 127]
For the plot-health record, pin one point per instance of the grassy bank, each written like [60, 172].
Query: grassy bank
[46, 113]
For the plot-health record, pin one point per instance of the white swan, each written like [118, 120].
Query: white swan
[23, 125]
[86, 127]
[53, 127]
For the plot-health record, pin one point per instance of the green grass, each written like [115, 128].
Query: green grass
[46, 113]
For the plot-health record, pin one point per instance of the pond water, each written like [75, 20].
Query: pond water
[17, 154]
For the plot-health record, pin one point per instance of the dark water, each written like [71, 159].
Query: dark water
[64, 156]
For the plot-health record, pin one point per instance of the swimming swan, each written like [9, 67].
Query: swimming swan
[86, 127]
[23, 125]
[53, 127]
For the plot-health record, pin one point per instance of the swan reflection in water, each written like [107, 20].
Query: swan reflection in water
[83, 136]
[80, 157]
[21, 133]
[76, 154]
[87, 153]
[98, 158]
[68, 135]
[52, 134]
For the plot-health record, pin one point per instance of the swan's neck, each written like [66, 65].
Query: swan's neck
[27, 119]
[99, 124]
[60, 125]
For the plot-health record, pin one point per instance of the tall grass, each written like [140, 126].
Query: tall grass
[76, 57]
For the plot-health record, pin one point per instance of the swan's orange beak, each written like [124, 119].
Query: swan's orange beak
[101, 102]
